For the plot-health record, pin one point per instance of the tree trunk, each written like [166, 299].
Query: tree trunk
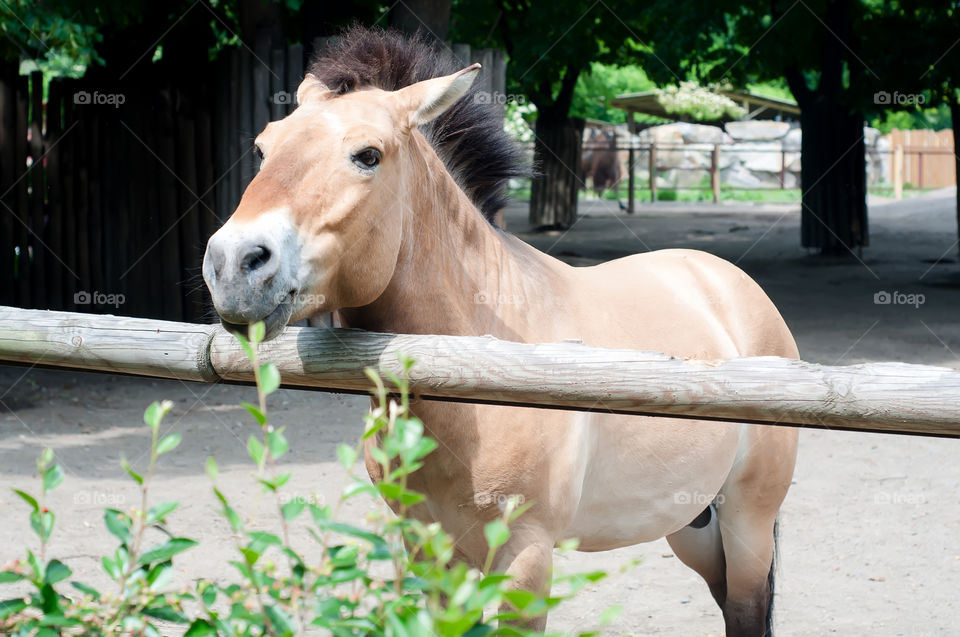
[833, 177]
[553, 193]
[955, 123]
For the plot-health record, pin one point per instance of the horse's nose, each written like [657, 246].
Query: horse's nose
[257, 261]
[252, 262]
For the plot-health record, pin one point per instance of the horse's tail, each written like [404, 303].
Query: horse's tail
[771, 578]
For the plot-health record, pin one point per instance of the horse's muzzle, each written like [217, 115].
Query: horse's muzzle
[250, 279]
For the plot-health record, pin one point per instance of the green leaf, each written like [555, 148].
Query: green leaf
[166, 613]
[280, 619]
[213, 471]
[88, 590]
[260, 540]
[119, 524]
[269, 378]
[245, 346]
[168, 443]
[208, 592]
[130, 472]
[29, 499]
[520, 599]
[10, 606]
[52, 478]
[379, 544]
[277, 443]
[35, 566]
[260, 417]
[42, 524]
[200, 628]
[46, 457]
[111, 567]
[347, 455]
[160, 511]
[165, 551]
[236, 523]
[274, 485]
[257, 331]
[610, 615]
[255, 449]
[292, 509]
[155, 413]
[10, 576]
[358, 488]
[496, 533]
[57, 571]
[159, 576]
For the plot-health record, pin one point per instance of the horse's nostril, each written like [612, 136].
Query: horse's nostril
[255, 259]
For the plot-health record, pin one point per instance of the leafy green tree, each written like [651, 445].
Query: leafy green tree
[550, 44]
[601, 83]
[918, 58]
[818, 48]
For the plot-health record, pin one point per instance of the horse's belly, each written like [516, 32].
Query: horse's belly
[647, 478]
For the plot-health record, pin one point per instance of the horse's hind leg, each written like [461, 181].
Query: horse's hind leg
[699, 546]
[747, 508]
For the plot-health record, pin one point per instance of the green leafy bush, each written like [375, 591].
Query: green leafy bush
[367, 582]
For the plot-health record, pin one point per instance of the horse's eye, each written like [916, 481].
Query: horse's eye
[367, 158]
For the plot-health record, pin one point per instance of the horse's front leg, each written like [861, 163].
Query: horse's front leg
[528, 558]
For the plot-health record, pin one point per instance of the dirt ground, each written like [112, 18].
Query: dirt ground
[870, 532]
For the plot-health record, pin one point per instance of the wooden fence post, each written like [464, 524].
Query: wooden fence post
[783, 170]
[653, 171]
[898, 172]
[631, 179]
[920, 169]
[715, 173]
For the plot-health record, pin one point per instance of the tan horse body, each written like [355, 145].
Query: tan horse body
[399, 247]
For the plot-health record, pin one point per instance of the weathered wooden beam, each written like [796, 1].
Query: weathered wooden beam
[887, 397]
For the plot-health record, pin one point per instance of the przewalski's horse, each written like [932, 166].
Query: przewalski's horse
[374, 198]
[601, 162]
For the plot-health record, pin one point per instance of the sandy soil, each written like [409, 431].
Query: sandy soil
[870, 531]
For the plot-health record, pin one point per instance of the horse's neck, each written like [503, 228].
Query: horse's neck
[456, 273]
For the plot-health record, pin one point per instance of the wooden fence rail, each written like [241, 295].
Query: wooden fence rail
[878, 397]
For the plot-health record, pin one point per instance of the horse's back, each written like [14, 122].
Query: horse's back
[684, 303]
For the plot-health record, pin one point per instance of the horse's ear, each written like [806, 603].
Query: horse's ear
[427, 100]
[311, 88]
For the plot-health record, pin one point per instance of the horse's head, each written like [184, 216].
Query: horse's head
[319, 227]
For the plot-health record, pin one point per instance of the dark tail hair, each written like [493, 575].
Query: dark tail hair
[771, 578]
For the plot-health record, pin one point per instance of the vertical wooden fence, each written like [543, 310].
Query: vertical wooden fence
[927, 159]
[109, 192]
[110, 189]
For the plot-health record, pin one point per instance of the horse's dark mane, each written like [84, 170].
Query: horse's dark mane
[468, 137]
